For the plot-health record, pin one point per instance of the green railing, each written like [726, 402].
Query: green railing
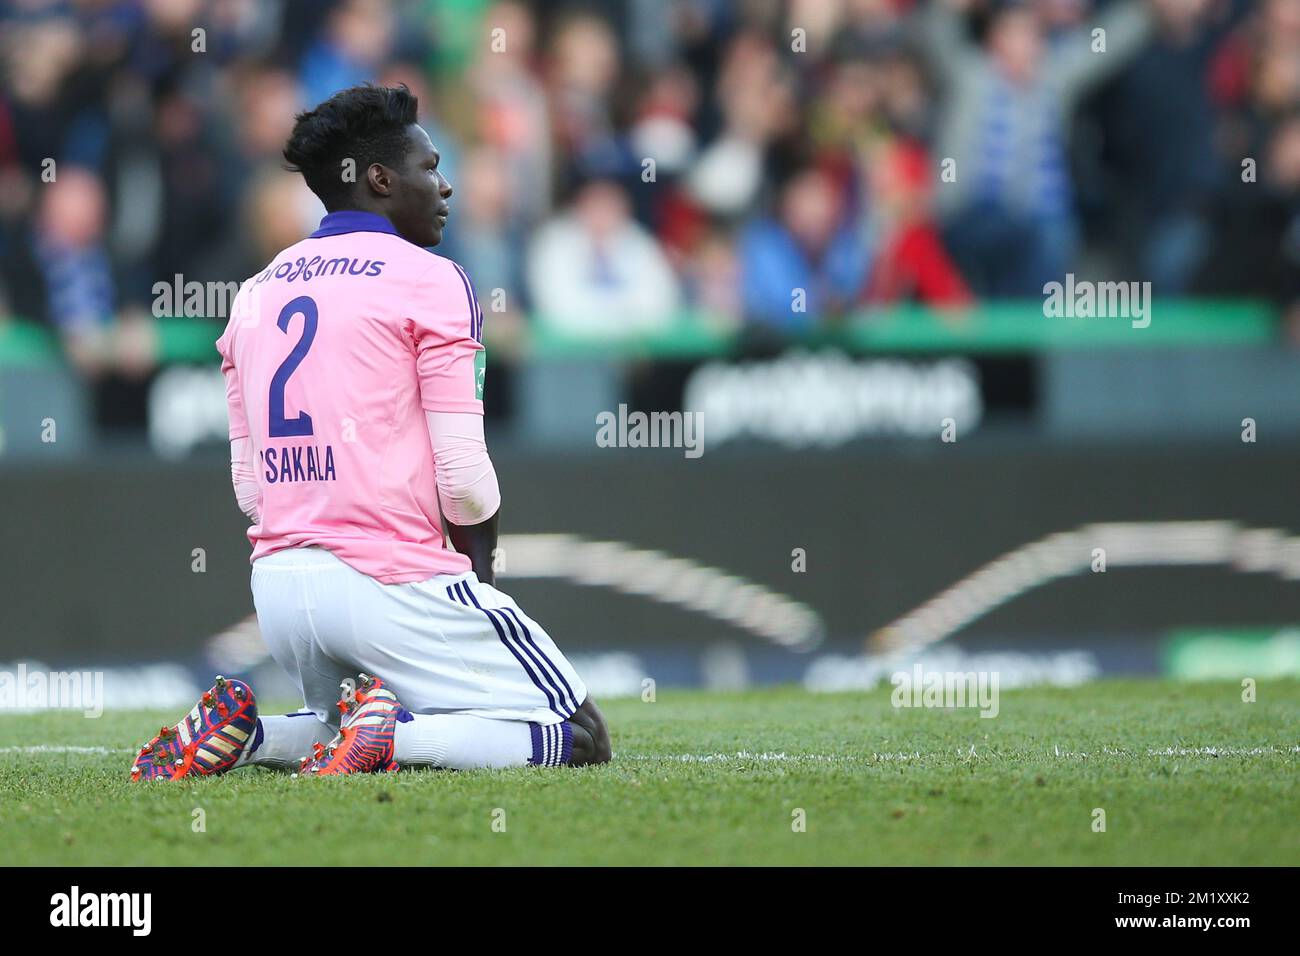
[1006, 327]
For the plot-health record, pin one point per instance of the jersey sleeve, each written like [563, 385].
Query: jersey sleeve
[446, 326]
[234, 396]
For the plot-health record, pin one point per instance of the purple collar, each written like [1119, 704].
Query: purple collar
[352, 220]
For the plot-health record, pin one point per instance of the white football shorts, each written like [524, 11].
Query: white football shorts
[450, 644]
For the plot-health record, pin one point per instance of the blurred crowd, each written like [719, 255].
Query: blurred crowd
[622, 164]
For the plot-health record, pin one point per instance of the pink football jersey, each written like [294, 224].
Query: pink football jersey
[331, 356]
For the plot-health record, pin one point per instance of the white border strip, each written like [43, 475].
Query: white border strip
[667, 579]
[1126, 544]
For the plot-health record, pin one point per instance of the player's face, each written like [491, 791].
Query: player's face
[420, 193]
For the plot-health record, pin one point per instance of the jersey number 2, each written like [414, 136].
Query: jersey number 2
[279, 426]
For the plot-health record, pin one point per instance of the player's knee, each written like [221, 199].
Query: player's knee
[584, 747]
[590, 735]
[601, 750]
[600, 734]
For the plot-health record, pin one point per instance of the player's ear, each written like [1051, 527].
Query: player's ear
[380, 178]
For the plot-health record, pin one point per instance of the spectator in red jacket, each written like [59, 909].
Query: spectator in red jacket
[910, 262]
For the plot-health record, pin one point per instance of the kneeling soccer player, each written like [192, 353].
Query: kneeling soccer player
[354, 373]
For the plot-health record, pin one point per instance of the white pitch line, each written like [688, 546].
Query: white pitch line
[769, 756]
[967, 753]
[1189, 752]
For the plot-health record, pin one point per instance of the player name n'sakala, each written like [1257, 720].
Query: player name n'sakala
[298, 463]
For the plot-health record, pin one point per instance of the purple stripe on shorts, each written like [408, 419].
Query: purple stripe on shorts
[550, 663]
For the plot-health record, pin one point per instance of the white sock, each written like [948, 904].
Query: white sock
[283, 741]
[463, 742]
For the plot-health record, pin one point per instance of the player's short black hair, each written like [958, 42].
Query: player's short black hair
[367, 124]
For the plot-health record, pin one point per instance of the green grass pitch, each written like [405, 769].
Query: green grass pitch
[1186, 774]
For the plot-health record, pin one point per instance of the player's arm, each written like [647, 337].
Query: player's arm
[1126, 26]
[468, 492]
[247, 492]
[446, 329]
